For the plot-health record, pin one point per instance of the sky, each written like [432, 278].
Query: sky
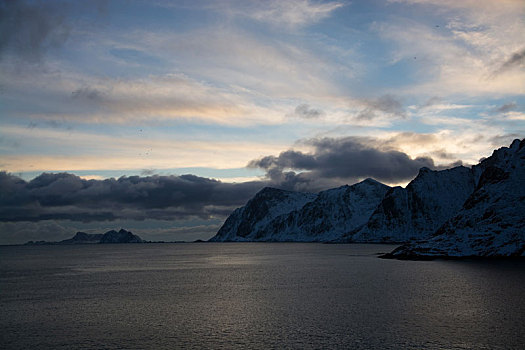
[161, 117]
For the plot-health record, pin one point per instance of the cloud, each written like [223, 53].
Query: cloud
[62, 149]
[30, 29]
[386, 104]
[304, 111]
[266, 66]
[290, 13]
[332, 162]
[91, 99]
[338, 160]
[434, 100]
[462, 55]
[505, 139]
[152, 230]
[65, 196]
[21, 232]
[507, 107]
[517, 60]
[147, 172]
[86, 93]
[213, 73]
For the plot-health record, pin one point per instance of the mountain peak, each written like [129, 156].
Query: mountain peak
[270, 192]
[465, 203]
[370, 181]
[121, 236]
[517, 144]
[425, 170]
[269, 189]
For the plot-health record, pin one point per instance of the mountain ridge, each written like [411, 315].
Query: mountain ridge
[447, 204]
[110, 237]
[491, 223]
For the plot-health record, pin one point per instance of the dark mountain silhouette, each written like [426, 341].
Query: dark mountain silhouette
[112, 236]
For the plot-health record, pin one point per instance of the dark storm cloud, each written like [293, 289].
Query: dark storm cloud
[386, 104]
[516, 60]
[29, 29]
[349, 158]
[304, 111]
[66, 196]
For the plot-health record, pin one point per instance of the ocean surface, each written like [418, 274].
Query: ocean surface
[254, 296]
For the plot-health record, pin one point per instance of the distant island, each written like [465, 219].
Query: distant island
[459, 212]
[109, 237]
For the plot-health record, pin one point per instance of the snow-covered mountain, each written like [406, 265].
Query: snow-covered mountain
[478, 211]
[277, 215]
[416, 211]
[491, 223]
[368, 211]
[246, 223]
[332, 214]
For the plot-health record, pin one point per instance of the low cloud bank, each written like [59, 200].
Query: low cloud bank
[333, 162]
[65, 196]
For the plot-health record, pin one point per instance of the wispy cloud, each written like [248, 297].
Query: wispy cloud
[86, 99]
[460, 57]
[292, 13]
[507, 107]
[30, 29]
[305, 111]
[387, 104]
[62, 150]
[289, 14]
[230, 77]
[516, 60]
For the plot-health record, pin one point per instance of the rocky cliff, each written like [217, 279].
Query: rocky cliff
[418, 210]
[491, 222]
[248, 222]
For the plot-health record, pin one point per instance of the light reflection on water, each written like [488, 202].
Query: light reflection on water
[254, 296]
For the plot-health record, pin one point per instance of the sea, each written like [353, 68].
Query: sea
[254, 296]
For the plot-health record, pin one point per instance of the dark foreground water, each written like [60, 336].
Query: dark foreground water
[222, 295]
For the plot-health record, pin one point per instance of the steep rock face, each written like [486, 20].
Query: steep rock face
[416, 211]
[491, 223]
[245, 223]
[333, 213]
[121, 236]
